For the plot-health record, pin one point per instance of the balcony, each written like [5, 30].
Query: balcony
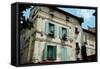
[64, 37]
[51, 34]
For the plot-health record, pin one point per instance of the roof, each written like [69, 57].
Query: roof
[66, 13]
[88, 31]
[91, 29]
[23, 5]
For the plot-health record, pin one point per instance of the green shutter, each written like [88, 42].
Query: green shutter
[55, 29]
[46, 27]
[60, 32]
[67, 33]
[54, 52]
[63, 54]
[45, 51]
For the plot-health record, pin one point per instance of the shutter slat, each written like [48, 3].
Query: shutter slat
[54, 53]
[55, 30]
[45, 51]
[60, 32]
[67, 33]
[46, 27]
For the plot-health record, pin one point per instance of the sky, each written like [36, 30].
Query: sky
[87, 14]
[26, 12]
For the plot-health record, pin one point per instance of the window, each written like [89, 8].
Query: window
[51, 52]
[51, 30]
[77, 48]
[76, 30]
[51, 13]
[91, 45]
[77, 51]
[64, 33]
[67, 18]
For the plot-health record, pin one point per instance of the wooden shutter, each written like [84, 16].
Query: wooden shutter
[45, 51]
[60, 32]
[67, 33]
[64, 54]
[55, 29]
[46, 27]
[54, 52]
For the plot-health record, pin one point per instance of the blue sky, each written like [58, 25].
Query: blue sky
[26, 12]
[87, 14]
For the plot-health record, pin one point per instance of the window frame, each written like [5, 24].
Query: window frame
[54, 54]
[66, 35]
[49, 30]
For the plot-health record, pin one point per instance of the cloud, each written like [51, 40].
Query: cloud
[85, 13]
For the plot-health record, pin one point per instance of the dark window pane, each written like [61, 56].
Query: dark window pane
[51, 30]
[76, 30]
[64, 33]
[51, 54]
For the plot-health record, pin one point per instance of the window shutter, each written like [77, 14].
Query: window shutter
[46, 27]
[60, 32]
[63, 54]
[54, 53]
[55, 29]
[67, 33]
[45, 51]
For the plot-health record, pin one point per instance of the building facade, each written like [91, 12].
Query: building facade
[56, 36]
[89, 40]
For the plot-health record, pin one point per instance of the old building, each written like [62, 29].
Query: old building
[56, 36]
[89, 40]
